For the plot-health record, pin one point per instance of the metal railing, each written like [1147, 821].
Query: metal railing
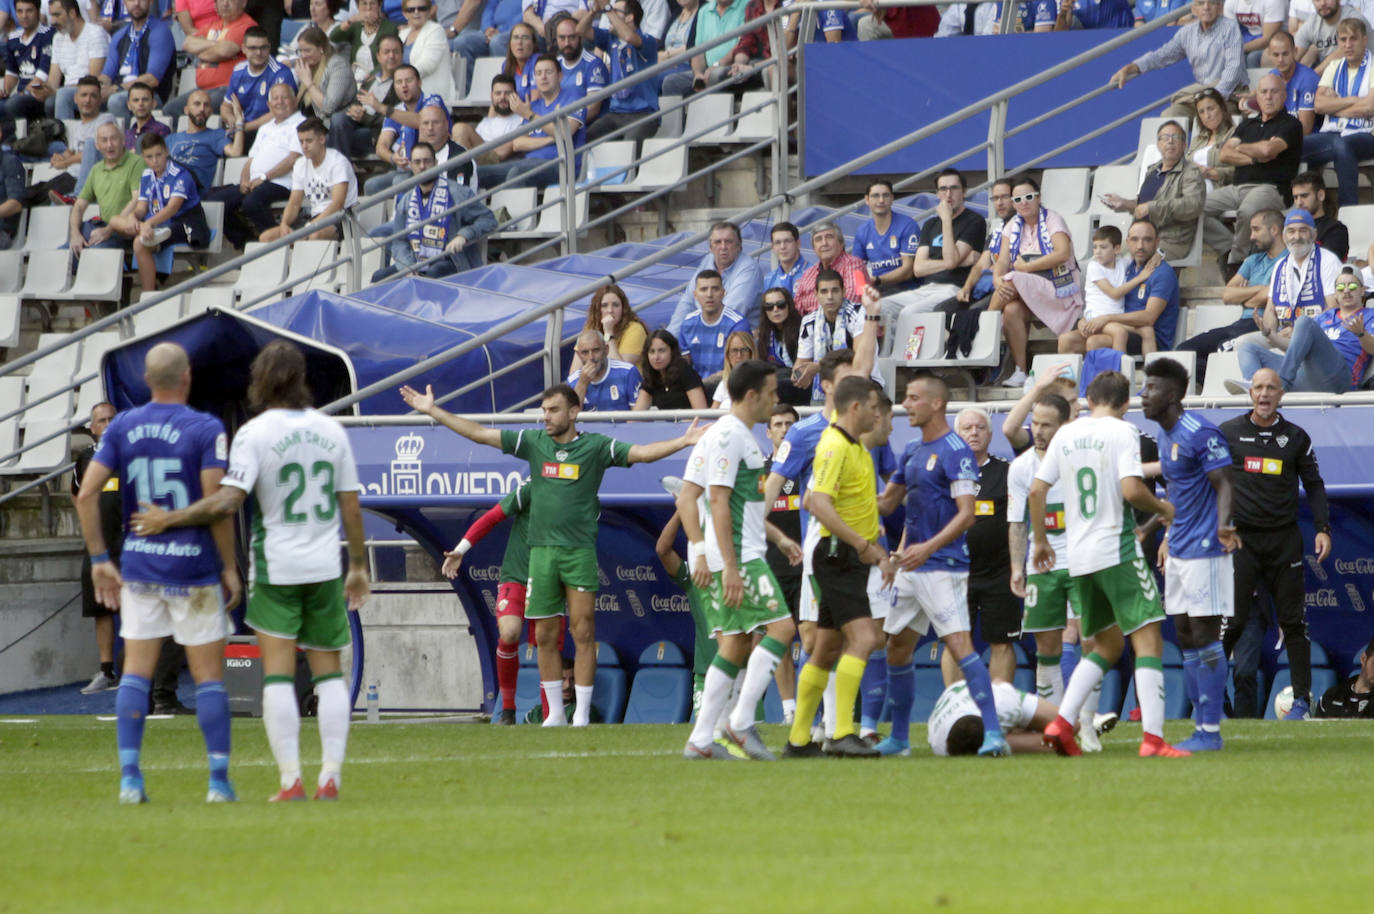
[779, 200]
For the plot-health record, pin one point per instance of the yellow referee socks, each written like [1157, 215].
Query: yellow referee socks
[848, 672]
[810, 687]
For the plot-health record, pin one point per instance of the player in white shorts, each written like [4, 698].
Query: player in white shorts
[956, 728]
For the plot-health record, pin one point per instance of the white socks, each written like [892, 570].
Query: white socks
[553, 693]
[582, 714]
[282, 719]
[757, 675]
[1149, 691]
[713, 697]
[1086, 678]
[333, 716]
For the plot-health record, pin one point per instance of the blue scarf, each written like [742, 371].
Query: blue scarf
[427, 241]
[1310, 298]
[1062, 275]
[1346, 87]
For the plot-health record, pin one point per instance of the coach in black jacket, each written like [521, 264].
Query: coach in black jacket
[1269, 456]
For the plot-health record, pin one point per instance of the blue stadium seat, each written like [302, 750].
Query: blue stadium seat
[1110, 702]
[526, 691]
[1322, 679]
[772, 704]
[1176, 704]
[609, 693]
[929, 685]
[1024, 680]
[1017, 650]
[529, 655]
[662, 689]
[1319, 657]
[928, 654]
[1172, 655]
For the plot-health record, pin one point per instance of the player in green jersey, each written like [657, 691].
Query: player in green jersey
[565, 473]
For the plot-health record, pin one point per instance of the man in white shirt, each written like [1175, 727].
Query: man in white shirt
[1258, 20]
[266, 177]
[76, 52]
[538, 12]
[323, 179]
[500, 121]
[1316, 39]
[82, 133]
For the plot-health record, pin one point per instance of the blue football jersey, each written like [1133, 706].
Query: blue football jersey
[934, 473]
[884, 251]
[158, 191]
[1188, 452]
[158, 451]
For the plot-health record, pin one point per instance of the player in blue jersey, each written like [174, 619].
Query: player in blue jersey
[167, 454]
[1198, 583]
[937, 475]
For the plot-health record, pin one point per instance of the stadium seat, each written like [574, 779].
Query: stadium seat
[772, 704]
[49, 455]
[756, 125]
[263, 275]
[1171, 655]
[51, 398]
[1065, 190]
[931, 345]
[1176, 704]
[612, 160]
[709, 114]
[60, 363]
[1194, 256]
[11, 271]
[526, 691]
[1187, 358]
[1212, 317]
[1017, 651]
[48, 228]
[233, 169]
[11, 395]
[1319, 657]
[662, 689]
[99, 277]
[1359, 221]
[611, 685]
[93, 349]
[163, 314]
[11, 309]
[1220, 367]
[1048, 361]
[307, 257]
[1122, 180]
[1080, 226]
[930, 683]
[662, 163]
[928, 654]
[1110, 700]
[205, 298]
[1322, 679]
[484, 69]
[49, 273]
[519, 204]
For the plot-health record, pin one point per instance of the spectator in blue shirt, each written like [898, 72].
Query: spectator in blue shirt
[1150, 10]
[583, 71]
[705, 333]
[141, 51]
[28, 60]
[630, 51]
[1151, 316]
[251, 80]
[742, 277]
[1299, 79]
[786, 241]
[536, 161]
[12, 193]
[492, 38]
[167, 210]
[199, 148]
[887, 242]
[1103, 14]
[603, 383]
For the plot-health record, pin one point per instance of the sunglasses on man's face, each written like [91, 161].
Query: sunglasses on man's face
[1347, 286]
[1025, 198]
[416, 9]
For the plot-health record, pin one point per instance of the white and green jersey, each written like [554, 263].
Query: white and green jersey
[1019, 478]
[729, 455]
[1015, 710]
[1092, 456]
[293, 462]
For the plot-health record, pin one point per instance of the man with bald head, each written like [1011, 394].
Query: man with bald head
[179, 583]
[1269, 457]
[1265, 152]
[602, 382]
[199, 148]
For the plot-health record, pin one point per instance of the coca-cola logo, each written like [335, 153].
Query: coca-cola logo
[640, 574]
[490, 573]
[1358, 566]
[607, 603]
[677, 603]
[1325, 597]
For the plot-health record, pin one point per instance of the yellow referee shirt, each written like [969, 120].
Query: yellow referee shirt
[844, 471]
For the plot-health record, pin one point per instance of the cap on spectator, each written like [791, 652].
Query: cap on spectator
[1298, 216]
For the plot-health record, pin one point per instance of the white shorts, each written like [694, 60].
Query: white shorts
[926, 598]
[1201, 588]
[808, 610]
[879, 597]
[191, 615]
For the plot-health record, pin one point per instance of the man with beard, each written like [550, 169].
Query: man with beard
[199, 148]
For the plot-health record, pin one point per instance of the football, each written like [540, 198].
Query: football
[1283, 702]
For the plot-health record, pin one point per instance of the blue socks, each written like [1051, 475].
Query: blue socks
[1068, 660]
[131, 711]
[980, 690]
[1211, 685]
[873, 691]
[901, 695]
[212, 713]
[1190, 665]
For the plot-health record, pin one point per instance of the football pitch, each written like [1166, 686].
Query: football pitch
[440, 816]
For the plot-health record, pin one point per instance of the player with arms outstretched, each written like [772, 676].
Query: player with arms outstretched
[298, 467]
[167, 583]
[566, 468]
[1098, 458]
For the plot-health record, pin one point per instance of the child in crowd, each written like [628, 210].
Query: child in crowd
[1107, 287]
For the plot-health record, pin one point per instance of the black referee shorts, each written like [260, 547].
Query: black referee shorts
[997, 610]
[843, 581]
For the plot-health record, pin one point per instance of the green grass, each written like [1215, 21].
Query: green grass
[447, 817]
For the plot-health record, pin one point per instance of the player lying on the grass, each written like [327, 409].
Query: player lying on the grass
[1098, 457]
[510, 590]
[178, 583]
[1196, 552]
[727, 467]
[955, 726]
[937, 476]
[299, 467]
[566, 468]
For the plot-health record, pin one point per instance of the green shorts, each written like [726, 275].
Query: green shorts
[762, 604]
[1124, 595]
[1048, 598]
[313, 614]
[553, 568]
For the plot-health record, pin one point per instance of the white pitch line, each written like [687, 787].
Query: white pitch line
[19, 720]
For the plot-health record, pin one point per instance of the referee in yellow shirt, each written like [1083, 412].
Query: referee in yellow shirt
[844, 500]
